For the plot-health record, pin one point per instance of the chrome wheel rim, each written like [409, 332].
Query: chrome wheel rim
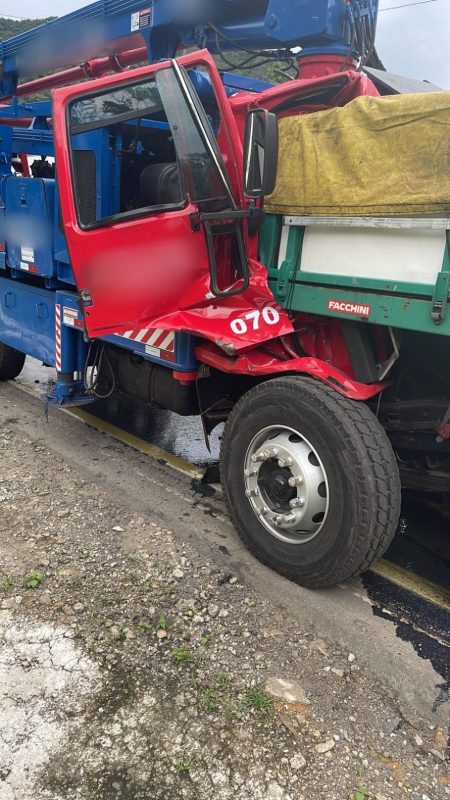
[286, 484]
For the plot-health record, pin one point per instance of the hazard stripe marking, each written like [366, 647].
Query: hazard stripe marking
[153, 337]
[167, 341]
[58, 354]
[156, 338]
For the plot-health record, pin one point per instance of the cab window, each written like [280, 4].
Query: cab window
[140, 148]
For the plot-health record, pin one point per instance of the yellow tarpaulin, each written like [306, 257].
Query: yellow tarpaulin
[377, 156]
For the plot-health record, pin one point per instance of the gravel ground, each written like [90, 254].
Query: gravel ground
[133, 668]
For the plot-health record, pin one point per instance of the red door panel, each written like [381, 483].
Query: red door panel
[130, 269]
[134, 269]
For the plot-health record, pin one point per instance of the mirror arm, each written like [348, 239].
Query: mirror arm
[243, 267]
[230, 219]
[254, 214]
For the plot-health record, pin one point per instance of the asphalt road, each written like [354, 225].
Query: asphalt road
[396, 618]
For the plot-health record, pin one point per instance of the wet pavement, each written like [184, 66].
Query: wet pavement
[182, 436]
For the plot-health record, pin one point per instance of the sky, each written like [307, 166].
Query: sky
[415, 41]
[412, 41]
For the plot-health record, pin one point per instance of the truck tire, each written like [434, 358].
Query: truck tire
[310, 479]
[11, 362]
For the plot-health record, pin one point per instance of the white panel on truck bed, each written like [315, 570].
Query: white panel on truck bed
[407, 255]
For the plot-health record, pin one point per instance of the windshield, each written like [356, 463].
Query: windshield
[119, 105]
[142, 147]
[199, 155]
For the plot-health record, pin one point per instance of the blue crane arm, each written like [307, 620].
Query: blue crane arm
[108, 26]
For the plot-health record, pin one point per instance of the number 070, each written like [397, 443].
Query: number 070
[252, 320]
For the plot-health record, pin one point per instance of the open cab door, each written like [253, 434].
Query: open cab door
[154, 221]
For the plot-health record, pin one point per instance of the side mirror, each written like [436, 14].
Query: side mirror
[260, 154]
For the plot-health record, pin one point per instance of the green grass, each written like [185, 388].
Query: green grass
[6, 583]
[224, 681]
[181, 654]
[210, 700]
[107, 601]
[185, 763]
[121, 634]
[133, 577]
[256, 699]
[162, 623]
[33, 580]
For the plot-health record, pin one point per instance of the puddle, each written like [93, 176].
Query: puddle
[423, 624]
[182, 436]
[423, 550]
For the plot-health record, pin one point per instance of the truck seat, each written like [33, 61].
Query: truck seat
[160, 185]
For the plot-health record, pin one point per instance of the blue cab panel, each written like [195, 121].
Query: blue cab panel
[29, 215]
[64, 272]
[27, 319]
[2, 238]
[28, 323]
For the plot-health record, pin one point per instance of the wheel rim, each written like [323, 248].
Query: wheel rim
[286, 484]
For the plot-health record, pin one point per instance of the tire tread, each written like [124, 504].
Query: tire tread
[11, 362]
[379, 453]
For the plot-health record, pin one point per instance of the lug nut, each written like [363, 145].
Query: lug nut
[249, 473]
[264, 511]
[296, 481]
[251, 492]
[284, 519]
[263, 455]
[298, 502]
[285, 462]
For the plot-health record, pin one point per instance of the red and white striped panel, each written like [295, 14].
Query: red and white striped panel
[157, 342]
[58, 356]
